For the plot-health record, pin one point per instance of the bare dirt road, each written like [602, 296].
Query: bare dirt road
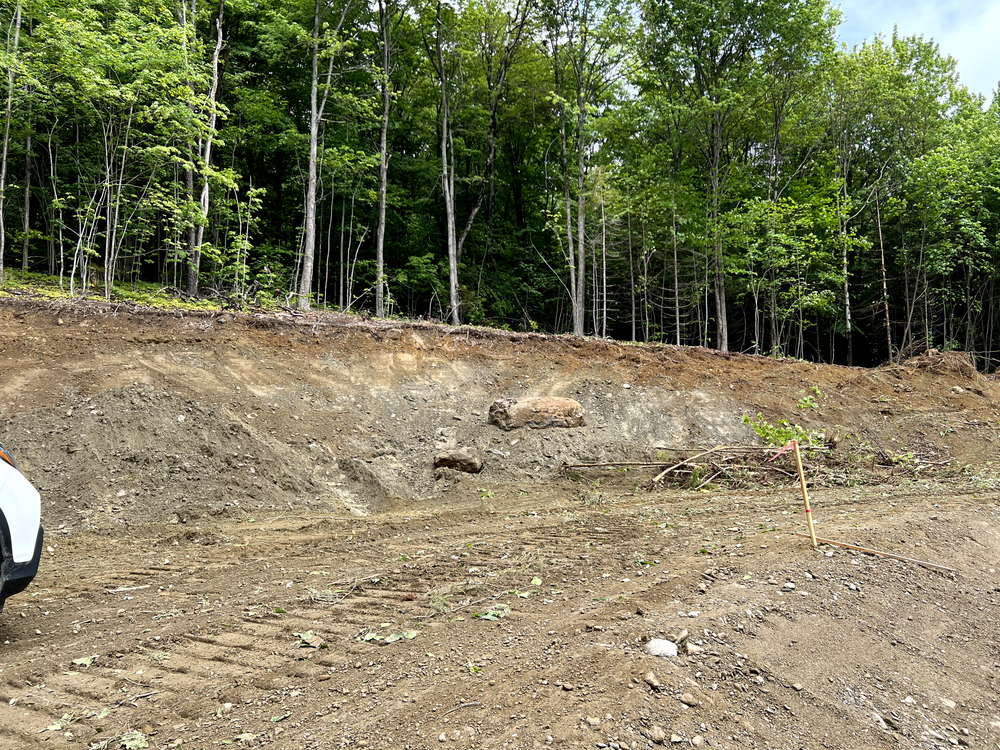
[248, 544]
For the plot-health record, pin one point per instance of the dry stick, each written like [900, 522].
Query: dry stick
[805, 495]
[669, 469]
[464, 705]
[934, 566]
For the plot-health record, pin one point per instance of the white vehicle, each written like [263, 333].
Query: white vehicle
[20, 529]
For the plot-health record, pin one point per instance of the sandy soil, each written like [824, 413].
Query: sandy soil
[248, 545]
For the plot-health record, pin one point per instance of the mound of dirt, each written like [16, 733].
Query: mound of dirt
[955, 364]
[139, 454]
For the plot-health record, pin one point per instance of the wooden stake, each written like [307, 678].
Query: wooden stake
[934, 566]
[805, 495]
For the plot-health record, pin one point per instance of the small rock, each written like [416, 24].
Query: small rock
[661, 647]
[650, 679]
[697, 741]
[879, 721]
[789, 586]
[909, 699]
[442, 737]
[958, 389]
[797, 686]
[947, 703]
[593, 722]
[468, 460]
[689, 700]
[681, 637]
[676, 738]
[692, 649]
[567, 686]
[657, 735]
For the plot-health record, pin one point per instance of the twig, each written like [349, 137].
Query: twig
[464, 705]
[708, 480]
[666, 471]
[933, 566]
[126, 588]
[133, 698]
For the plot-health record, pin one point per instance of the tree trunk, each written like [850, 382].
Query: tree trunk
[581, 209]
[317, 106]
[309, 243]
[383, 163]
[885, 286]
[575, 304]
[26, 224]
[206, 158]
[12, 52]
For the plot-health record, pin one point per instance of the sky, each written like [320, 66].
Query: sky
[965, 29]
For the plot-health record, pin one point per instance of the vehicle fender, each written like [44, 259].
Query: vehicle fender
[21, 506]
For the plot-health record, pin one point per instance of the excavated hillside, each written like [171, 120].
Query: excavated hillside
[248, 542]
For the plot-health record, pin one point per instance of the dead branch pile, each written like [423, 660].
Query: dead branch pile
[752, 467]
[951, 363]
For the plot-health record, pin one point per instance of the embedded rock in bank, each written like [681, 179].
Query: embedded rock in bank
[537, 413]
[468, 460]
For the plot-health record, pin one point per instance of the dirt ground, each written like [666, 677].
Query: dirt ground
[247, 544]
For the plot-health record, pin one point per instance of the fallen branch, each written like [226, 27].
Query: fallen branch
[933, 566]
[669, 469]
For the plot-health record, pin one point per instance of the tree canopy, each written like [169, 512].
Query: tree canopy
[712, 172]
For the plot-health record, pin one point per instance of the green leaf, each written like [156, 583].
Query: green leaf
[85, 661]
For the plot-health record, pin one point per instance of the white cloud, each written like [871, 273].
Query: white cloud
[965, 30]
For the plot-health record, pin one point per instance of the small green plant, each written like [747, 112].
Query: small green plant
[495, 612]
[484, 493]
[783, 432]
[809, 401]
[440, 602]
[473, 668]
[594, 497]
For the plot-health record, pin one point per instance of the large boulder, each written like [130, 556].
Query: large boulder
[468, 460]
[544, 411]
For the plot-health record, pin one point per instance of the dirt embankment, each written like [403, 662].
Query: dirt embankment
[216, 487]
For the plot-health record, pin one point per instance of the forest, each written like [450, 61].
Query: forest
[722, 173]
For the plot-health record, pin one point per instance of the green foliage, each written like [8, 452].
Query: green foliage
[711, 161]
[782, 433]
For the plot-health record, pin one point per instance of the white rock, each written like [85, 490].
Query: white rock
[661, 647]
